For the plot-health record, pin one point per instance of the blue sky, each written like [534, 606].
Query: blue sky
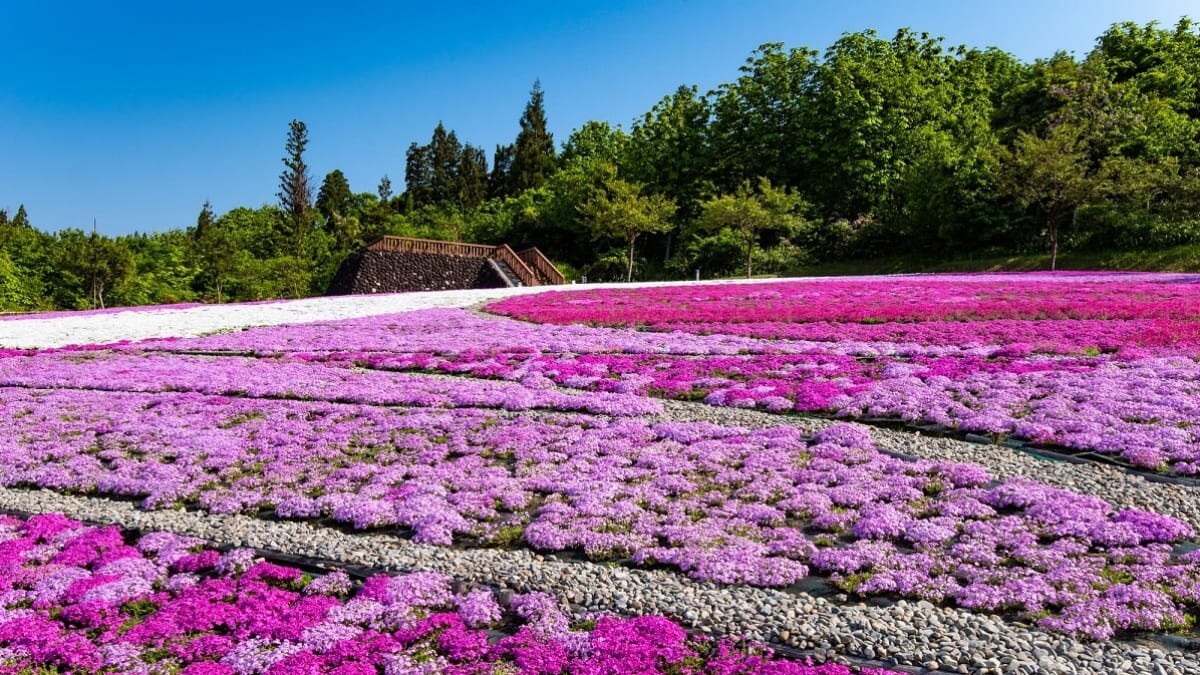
[137, 112]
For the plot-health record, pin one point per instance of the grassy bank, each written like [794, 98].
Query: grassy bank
[1177, 259]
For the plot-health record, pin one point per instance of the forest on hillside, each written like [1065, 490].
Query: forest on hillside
[876, 146]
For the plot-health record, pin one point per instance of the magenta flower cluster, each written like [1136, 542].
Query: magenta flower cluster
[82, 600]
[946, 297]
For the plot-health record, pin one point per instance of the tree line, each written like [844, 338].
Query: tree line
[875, 146]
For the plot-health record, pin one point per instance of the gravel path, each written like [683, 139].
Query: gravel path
[143, 323]
[905, 633]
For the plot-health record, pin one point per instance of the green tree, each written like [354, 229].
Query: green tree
[445, 172]
[445, 156]
[500, 179]
[16, 291]
[1053, 175]
[385, 189]
[21, 219]
[6, 229]
[750, 212]
[621, 211]
[669, 153]
[472, 177]
[334, 197]
[595, 141]
[164, 269]
[668, 149]
[94, 263]
[1158, 61]
[295, 191]
[763, 122]
[533, 152]
[418, 174]
[216, 247]
[342, 223]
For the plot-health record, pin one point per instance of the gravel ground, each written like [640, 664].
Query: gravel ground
[905, 633]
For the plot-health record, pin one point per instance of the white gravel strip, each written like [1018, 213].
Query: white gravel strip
[145, 323]
[905, 633]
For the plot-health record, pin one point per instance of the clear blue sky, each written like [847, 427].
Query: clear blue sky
[137, 112]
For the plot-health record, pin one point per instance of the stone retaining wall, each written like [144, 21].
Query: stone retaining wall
[394, 272]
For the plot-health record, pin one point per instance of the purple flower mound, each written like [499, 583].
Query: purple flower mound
[243, 616]
[846, 435]
[1151, 527]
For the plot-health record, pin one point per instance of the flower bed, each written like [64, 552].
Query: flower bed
[294, 380]
[79, 599]
[874, 300]
[1100, 363]
[764, 507]
[1140, 408]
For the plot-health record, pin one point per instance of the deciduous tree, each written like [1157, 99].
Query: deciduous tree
[621, 211]
[751, 211]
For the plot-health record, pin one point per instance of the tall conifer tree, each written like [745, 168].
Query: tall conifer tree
[21, 219]
[445, 153]
[385, 190]
[295, 186]
[417, 173]
[533, 154]
[499, 184]
[334, 197]
[472, 176]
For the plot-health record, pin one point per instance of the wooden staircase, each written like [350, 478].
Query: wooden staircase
[527, 268]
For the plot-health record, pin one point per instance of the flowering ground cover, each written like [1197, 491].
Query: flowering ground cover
[1137, 403]
[876, 300]
[242, 377]
[301, 422]
[80, 599]
[763, 507]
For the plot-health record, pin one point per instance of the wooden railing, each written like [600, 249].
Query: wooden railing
[506, 255]
[546, 271]
[413, 245]
[531, 267]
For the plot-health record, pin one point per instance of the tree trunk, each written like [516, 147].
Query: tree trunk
[1053, 224]
[629, 275]
[749, 254]
[218, 290]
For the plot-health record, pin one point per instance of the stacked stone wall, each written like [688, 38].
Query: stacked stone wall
[395, 272]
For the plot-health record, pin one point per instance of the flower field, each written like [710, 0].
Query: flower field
[1087, 363]
[540, 427]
